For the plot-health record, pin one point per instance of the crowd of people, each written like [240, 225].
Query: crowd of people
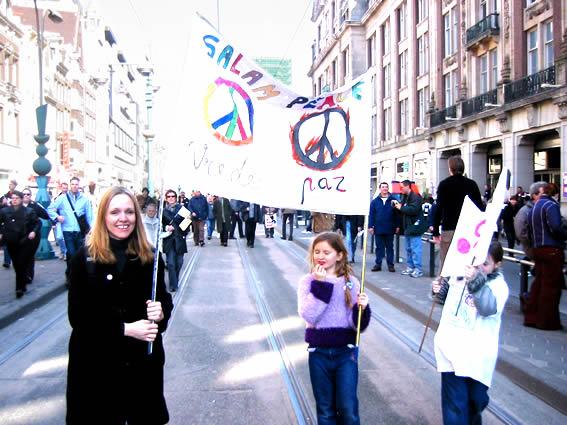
[109, 245]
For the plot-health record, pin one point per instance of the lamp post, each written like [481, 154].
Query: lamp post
[148, 133]
[41, 165]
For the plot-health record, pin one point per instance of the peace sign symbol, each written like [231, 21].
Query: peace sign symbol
[318, 153]
[232, 127]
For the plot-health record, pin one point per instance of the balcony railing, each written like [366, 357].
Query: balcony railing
[440, 117]
[530, 85]
[479, 103]
[485, 27]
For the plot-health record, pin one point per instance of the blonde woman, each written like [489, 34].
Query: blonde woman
[111, 378]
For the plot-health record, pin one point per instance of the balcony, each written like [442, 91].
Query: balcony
[440, 117]
[482, 30]
[479, 103]
[530, 85]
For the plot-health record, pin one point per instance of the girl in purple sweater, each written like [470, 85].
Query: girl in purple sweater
[325, 301]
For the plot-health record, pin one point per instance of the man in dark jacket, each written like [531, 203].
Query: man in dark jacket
[251, 215]
[548, 236]
[451, 194]
[383, 222]
[5, 201]
[199, 212]
[413, 225]
[19, 226]
[222, 212]
[41, 213]
[174, 245]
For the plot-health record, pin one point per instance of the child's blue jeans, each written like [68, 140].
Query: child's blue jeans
[334, 378]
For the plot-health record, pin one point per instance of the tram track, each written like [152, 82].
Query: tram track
[298, 396]
[498, 411]
[22, 343]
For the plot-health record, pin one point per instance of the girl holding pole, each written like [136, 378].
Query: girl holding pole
[328, 300]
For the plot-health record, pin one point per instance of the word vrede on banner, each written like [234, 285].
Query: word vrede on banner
[251, 138]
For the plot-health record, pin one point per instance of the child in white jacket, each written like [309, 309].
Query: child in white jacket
[466, 342]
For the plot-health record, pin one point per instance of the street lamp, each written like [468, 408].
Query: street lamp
[41, 165]
[148, 71]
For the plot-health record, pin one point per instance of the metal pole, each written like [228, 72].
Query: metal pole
[218, 15]
[157, 254]
[41, 165]
[362, 277]
[39, 55]
[431, 257]
[149, 106]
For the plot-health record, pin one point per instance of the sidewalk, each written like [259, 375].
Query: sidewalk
[534, 359]
[49, 282]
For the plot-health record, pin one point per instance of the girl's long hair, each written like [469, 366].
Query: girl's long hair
[98, 241]
[342, 267]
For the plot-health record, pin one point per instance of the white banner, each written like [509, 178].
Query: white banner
[251, 138]
[475, 229]
[466, 237]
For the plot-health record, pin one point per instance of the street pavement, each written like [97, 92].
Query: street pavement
[532, 359]
[49, 282]
[535, 360]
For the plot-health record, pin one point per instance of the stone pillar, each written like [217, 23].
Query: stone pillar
[478, 165]
[518, 156]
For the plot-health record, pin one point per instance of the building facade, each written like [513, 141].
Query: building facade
[95, 98]
[481, 78]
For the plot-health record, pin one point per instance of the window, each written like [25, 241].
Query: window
[483, 6]
[346, 66]
[422, 96]
[451, 88]
[370, 49]
[404, 68]
[423, 54]
[493, 54]
[422, 11]
[373, 94]
[483, 73]
[387, 123]
[404, 117]
[532, 52]
[387, 81]
[402, 22]
[373, 130]
[450, 32]
[386, 36]
[447, 34]
[548, 56]
[334, 74]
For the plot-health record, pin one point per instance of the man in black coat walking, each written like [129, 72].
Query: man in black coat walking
[451, 194]
[19, 226]
[252, 215]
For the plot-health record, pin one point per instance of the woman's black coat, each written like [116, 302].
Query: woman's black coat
[111, 378]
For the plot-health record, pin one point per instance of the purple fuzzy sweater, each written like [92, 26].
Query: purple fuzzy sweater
[330, 323]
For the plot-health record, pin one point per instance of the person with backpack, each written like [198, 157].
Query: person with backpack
[74, 211]
[521, 225]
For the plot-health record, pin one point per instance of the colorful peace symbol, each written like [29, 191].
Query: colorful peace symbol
[327, 157]
[225, 127]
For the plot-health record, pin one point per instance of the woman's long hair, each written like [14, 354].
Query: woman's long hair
[98, 241]
[342, 267]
